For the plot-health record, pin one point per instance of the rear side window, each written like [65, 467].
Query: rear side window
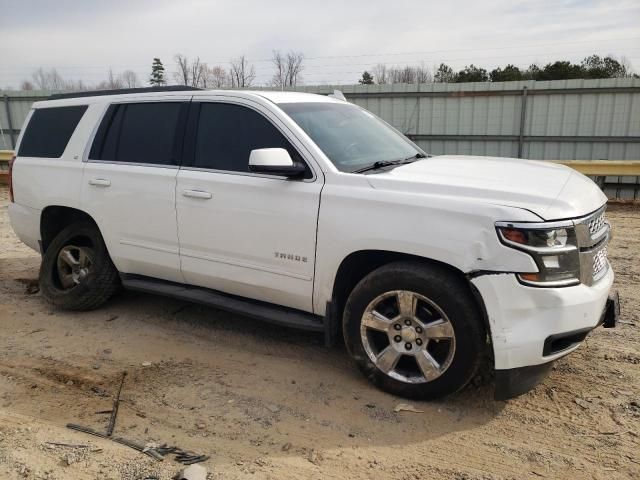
[227, 133]
[139, 133]
[49, 131]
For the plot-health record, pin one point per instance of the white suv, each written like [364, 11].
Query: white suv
[311, 212]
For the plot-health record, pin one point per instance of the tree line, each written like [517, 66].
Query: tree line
[240, 73]
[592, 66]
[288, 68]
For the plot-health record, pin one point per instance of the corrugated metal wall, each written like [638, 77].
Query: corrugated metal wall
[563, 119]
[554, 120]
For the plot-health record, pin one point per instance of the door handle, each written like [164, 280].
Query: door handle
[197, 194]
[100, 182]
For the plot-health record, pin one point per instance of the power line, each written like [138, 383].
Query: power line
[263, 73]
[228, 60]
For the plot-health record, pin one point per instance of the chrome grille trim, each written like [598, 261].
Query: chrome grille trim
[593, 235]
[596, 223]
[591, 229]
[599, 262]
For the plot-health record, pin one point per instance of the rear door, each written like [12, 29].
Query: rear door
[129, 184]
[243, 233]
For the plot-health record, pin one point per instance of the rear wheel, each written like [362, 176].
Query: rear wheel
[414, 330]
[76, 271]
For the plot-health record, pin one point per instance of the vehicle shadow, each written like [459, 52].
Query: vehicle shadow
[277, 376]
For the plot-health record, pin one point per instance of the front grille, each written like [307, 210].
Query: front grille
[597, 222]
[600, 262]
[592, 233]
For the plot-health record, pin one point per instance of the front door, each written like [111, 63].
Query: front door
[242, 233]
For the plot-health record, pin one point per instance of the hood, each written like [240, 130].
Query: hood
[549, 190]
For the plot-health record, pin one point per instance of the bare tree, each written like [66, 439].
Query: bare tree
[129, 79]
[214, 77]
[280, 75]
[198, 73]
[380, 74]
[190, 72]
[48, 80]
[242, 73]
[287, 68]
[294, 67]
[401, 74]
[183, 75]
[627, 67]
[423, 74]
[113, 82]
[27, 85]
[52, 80]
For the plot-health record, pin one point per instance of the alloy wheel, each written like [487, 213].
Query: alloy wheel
[408, 336]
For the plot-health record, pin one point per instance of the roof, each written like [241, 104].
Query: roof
[273, 96]
[291, 97]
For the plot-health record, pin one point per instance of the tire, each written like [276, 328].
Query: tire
[410, 361]
[76, 271]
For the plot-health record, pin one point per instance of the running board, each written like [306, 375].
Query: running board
[276, 314]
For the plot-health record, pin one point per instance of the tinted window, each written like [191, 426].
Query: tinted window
[49, 131]
[138, 133]
[227, 133]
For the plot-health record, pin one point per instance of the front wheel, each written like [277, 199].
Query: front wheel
[414, 330]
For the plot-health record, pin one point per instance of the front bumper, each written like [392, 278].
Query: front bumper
[516, 381]
[521, 318]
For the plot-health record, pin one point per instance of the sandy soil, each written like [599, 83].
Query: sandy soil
[267, 402]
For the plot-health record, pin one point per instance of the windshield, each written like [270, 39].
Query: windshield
[350, 136]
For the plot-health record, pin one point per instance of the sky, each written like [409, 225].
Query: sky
[82, 39]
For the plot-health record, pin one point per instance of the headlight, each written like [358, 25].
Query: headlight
[553, 247]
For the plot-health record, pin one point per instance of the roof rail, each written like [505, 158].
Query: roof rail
[121, 91]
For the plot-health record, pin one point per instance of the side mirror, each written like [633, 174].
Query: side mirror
[274, 161]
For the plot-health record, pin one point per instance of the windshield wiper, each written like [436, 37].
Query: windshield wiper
[386, 163]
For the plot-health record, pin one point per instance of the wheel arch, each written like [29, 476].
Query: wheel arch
[54, 218]
[355, 266]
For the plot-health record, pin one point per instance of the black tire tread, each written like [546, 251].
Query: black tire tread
[451, 289]
[104, 282]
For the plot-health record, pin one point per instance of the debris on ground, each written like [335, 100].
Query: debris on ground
[100, 392]
[406, 407]
[31, 285]
[68, 445]
[314, 457]
[120, 440]
[192, 472]
[182, 456]
[116, 405]
[582, 403]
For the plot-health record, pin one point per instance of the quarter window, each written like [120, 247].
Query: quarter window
[49, 131]
[227, 133]
[139, 133]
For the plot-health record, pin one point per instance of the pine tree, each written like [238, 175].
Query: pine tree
[367, 79]
[157, 74]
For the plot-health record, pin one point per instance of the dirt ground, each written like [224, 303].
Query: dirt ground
[273, 403]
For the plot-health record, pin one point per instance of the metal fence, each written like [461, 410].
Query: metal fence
[562, 120]
[552, 120]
